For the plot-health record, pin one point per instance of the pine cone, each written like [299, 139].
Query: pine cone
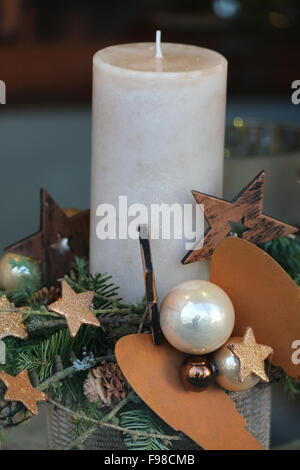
[46, 296]
[105, 385]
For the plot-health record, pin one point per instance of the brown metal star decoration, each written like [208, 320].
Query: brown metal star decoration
[59, 240]
[251, 356]
[11, 323]
[244, 211]
[76, 308]
[20, 389]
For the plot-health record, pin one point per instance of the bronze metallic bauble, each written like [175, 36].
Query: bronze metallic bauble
[11, 276]
[228, 367]
[197, 373]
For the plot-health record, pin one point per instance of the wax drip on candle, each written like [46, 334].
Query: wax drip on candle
[159, 54]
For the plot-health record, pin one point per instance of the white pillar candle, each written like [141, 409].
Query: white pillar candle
[158, 133]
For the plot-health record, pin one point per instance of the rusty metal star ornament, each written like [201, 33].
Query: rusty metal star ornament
[11, 323]
[251, 356]
[20, 389]
[60, 239]
[76, 308]
[246, 208]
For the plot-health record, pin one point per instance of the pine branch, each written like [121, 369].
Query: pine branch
[45, 327]
[116, 311]
[69, 371]
[56, 325]
[108, 315]
[41, 356]
[26, 312]
[82, 439]
[143, 419]
[100, 423]
[101, 311]
[116, 302]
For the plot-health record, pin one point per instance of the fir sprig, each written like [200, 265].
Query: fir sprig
[144, 420]
[108, 421]
[81, 280]
[40, 358]
[291, 386]
[286, 251]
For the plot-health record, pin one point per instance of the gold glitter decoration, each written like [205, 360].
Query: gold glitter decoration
[20, 389]
[76, 308]
[11, 323]
[251, 356]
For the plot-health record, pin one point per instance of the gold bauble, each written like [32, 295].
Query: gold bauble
[11, 277]
[228, 368]
[71, 211]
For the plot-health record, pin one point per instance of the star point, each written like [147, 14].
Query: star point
[11, 323]
[247, 207]
[251, 356]
[76, 308]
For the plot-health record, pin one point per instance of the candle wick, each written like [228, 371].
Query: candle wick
[159, 54]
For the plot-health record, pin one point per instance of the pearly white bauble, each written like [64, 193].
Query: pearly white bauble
[197, 317]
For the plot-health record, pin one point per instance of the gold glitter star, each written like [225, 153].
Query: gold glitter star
[20, 389]
[76, 308]
[251, 356]
[11, 323]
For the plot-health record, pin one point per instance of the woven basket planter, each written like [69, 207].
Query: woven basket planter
[254, 405]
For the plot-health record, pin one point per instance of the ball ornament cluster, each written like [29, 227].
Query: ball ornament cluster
[197, 318]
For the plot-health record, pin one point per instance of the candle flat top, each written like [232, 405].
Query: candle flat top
[177, 58]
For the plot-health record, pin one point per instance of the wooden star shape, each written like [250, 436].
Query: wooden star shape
[246, 207]
[76, 308]
[251, 356]
[59, 240]
[11, 323]
[20, 389]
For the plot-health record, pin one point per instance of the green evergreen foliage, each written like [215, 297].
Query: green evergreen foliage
[41, 356]
[81, 281]
[290, 386]
[286, 251]
[50, 348]
[143, 419]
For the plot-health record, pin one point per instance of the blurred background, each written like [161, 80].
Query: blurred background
[46, 50]
[47, 46]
